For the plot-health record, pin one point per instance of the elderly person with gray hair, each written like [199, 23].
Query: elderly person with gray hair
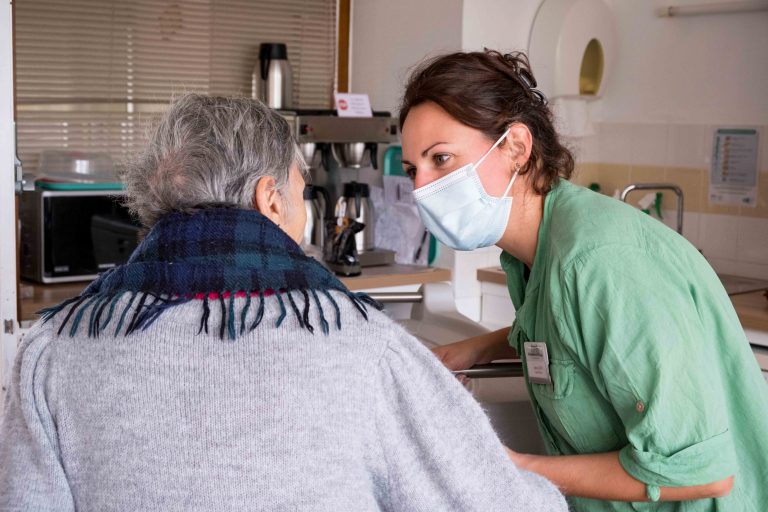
[222, 369]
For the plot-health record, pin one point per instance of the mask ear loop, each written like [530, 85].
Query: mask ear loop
[492, 148]
[512, 181]
[517, 165]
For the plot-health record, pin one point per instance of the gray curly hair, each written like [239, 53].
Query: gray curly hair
[208, 149]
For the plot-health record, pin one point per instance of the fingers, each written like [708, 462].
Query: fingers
[441, 355]
[465, 381]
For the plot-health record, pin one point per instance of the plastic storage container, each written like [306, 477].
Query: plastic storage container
[76, 167]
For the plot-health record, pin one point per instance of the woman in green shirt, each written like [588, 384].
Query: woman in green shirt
[642, 380]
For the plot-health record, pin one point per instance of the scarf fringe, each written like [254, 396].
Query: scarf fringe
[259, 313]
[150, 306]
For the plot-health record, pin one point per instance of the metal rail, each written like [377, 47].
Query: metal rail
[659, 186]
[493, 370]
[397, 297]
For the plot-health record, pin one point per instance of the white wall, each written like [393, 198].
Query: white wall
[389, 37]
[503, 25]
[696, 69]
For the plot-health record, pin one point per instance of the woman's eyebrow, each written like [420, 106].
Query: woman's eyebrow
[424, 153]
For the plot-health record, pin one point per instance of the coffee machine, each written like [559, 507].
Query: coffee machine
[336, 146]
[355, 203]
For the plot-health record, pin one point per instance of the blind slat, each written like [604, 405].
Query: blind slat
[88, 52]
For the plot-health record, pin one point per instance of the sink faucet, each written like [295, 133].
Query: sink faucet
[659, 186]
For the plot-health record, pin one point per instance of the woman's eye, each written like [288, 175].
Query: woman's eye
[410, 172]
[441, 158]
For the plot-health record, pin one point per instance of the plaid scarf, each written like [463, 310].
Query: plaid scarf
[212, 255]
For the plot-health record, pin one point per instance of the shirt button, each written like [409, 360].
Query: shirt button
[640, 406]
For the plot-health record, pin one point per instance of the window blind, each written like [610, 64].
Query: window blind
[92, 74]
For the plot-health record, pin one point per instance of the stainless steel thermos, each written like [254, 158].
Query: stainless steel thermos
[272, 80]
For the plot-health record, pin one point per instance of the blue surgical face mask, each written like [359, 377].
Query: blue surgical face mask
[458, 211]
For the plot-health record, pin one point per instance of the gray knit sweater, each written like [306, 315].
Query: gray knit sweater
[168, 420]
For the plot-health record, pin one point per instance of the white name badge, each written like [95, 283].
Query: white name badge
[537, 362]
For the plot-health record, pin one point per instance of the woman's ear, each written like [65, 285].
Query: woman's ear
[519, 142]
[267, 200]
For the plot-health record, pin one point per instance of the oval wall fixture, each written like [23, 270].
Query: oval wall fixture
[572, 48]
[591, 73]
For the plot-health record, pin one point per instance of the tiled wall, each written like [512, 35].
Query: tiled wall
[733, 238]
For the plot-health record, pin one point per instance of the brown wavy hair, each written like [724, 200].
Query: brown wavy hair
[489, 91]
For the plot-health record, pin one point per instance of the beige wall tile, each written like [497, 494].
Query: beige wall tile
[612, 177]
[651, 174]
[586, 173]
[692, 183]
[647, 174]
[753, 240]
[761, 208]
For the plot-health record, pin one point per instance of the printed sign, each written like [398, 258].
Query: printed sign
[353, 105]
[733, 175]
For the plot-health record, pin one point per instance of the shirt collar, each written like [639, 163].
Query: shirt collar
[519, 290]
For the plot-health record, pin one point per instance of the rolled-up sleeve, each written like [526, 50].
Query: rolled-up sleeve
[690, 466]
[644, 344]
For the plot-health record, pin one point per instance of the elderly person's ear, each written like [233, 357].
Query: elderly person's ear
[267, 200]
[283, 207]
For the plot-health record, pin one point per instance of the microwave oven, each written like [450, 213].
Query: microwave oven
[71, 236]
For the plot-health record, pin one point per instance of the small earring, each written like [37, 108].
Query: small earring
[517, 166]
